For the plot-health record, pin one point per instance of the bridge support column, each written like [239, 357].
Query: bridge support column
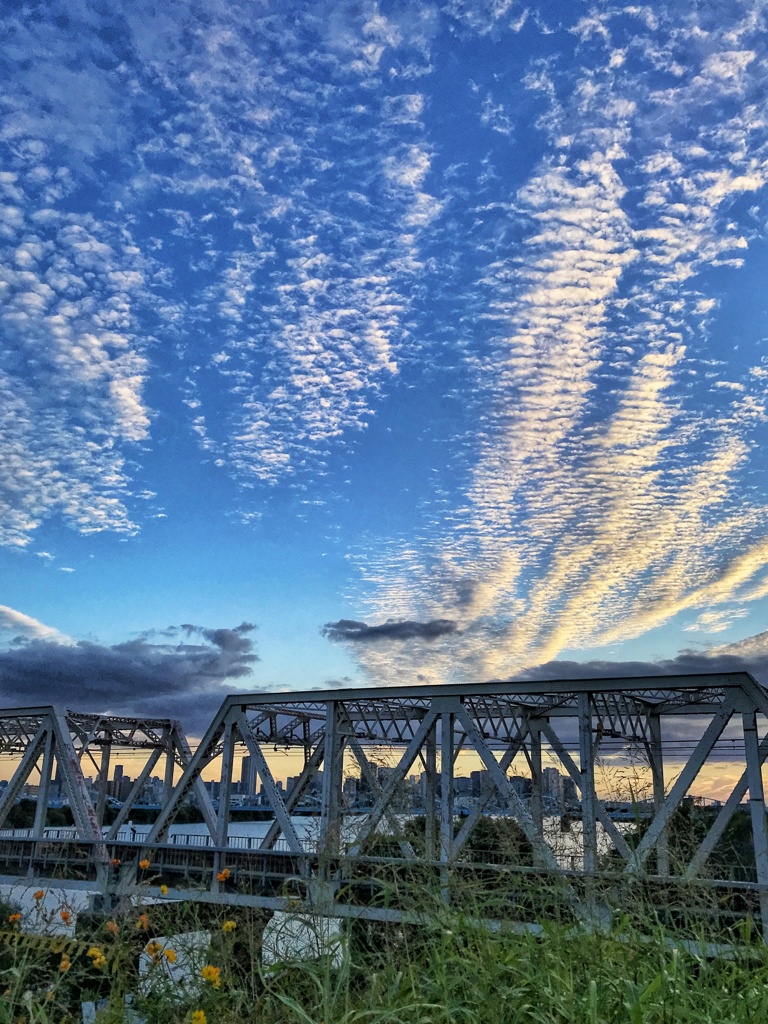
[588, 797]
[430, 794]
[534, 760]
[757, 811]
[656, 758]
[446, 800]
[225, 790]
[333, 765]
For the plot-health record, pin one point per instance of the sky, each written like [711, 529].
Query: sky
[354, 343]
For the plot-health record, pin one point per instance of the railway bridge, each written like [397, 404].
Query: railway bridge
[663, 733]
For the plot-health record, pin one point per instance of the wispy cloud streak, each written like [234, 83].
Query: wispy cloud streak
[590, 520]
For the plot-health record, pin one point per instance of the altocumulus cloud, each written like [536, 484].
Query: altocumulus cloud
[184, 676]
[349, 629]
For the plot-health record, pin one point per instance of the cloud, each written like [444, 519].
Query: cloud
[716, 621]
[25, 626]
[483, 16]
[751, 648]
[231, 641]
[304, 288]
[73, 367]
[283, 299]
[605, 485]
[685, 663]
[172, 679]
[359, 632]
[322, 234]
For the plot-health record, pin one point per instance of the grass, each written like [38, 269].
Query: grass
[448, 969]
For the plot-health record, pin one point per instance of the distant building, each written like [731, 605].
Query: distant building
[478, 782]
[552, 786]
[120, 786]
[248, 776]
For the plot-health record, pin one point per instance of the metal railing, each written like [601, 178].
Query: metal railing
[192, 840]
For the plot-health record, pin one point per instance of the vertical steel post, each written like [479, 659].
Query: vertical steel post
[757, 811]
[588, 797]
[333, 757]
[225, 791]
[446, 798]
[537, 808]
[430, 770]
[656, 757]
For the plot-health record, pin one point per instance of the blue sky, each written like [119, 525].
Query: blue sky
[426, 339]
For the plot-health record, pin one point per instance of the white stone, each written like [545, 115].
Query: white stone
[290, 937]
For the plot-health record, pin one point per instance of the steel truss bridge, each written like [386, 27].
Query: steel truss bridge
[669, 728]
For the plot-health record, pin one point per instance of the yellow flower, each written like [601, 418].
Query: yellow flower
[144, 863]
[163, 890]
[96, 955]
[229, 926]
[40, 894]
[65, 964]
[14, 918]
[212, 975]
[170, 955]
[198, 1017]
[153, 948]
[224, 875]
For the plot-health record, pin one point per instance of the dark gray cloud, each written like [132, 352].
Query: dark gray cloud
[232, 641]
[350, 629]
[182, 679]
[687, 662]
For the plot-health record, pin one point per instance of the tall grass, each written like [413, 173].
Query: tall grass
[450, 967]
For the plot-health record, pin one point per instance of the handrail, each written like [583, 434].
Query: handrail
[189, 840]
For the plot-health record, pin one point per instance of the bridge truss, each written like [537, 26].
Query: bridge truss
[58, 747]
[670, 728]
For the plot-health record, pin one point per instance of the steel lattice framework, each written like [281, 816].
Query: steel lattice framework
[49, 738]
[574, 724]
